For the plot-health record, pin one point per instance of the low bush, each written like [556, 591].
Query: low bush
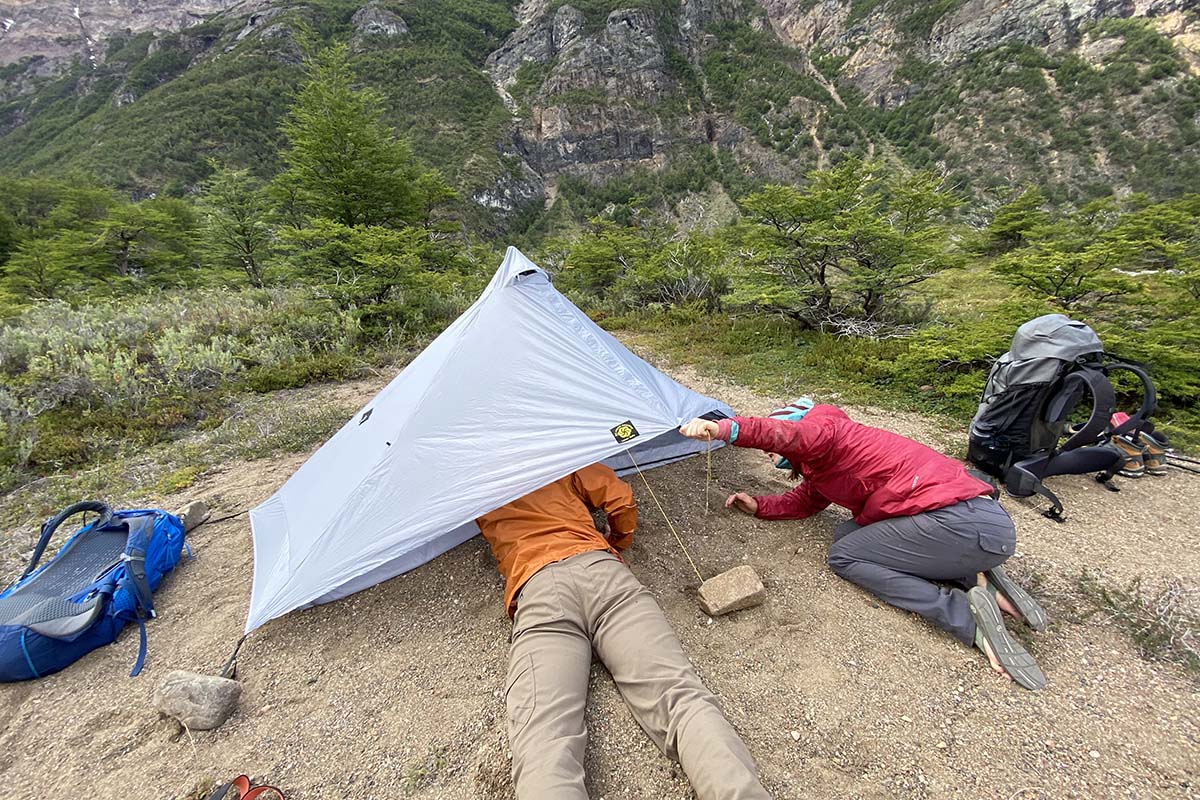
[76, 383]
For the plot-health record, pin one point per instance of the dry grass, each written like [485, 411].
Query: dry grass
[1163, 619]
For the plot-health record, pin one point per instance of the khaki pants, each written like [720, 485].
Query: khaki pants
[588, 601]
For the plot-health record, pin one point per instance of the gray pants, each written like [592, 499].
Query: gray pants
[588, 601]
[898, 559]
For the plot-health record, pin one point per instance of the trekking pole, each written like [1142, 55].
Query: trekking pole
[1183, 458]
[1185, 469]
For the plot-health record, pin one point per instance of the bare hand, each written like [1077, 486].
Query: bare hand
[742, 502]
[703, 429]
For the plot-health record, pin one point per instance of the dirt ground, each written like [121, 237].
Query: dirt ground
[396, 692]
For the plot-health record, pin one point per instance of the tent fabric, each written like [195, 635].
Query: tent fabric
[519, 391]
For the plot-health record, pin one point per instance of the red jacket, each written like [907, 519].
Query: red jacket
[874, 473]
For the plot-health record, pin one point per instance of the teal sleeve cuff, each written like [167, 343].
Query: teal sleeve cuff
[733, 431]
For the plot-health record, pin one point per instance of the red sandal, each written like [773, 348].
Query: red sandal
[241, 784]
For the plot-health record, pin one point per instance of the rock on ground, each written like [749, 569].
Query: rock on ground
[201, 702]
[732, 590]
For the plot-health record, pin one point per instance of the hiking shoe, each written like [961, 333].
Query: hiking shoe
[1031, 610]
[989, 629]
[1154, 454]
[1133, 464]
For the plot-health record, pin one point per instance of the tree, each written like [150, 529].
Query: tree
[1163, 238]
[9, 236]
[343, 163]
[604, 254]
[1013, 222]
[393, 280]
[148, 241]
[235, 231]
[1065, 266]
[849, 246]
[357, 265]
[52, 240]
[1101, 254]
[899, 244]
[29, 201]
[680, 273]
[50, 267]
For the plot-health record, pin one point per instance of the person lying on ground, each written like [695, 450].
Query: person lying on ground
[569, 592]
[919, 519]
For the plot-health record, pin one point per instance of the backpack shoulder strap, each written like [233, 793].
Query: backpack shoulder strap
[1104, 403]
[51, 525]
[141, 531]
[1021, 480]
[1149, 397]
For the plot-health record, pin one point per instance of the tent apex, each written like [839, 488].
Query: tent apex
[515, 264]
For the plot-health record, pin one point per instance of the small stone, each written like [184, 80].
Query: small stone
[1094, 754]
[795, 736]
[193, 514]
[941, 745]
[201, 702]
[732, 590]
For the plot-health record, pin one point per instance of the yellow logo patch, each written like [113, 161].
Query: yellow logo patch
[624, 432]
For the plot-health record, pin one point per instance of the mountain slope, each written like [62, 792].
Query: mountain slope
[549, 98]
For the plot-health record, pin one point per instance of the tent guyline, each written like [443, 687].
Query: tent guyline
[707, 477]
[670, 525]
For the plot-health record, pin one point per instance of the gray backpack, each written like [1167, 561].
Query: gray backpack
[1030, 395]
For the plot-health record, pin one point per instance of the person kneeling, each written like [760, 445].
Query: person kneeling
[569, 592]
[918, 519]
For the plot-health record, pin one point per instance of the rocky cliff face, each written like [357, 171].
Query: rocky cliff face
[60, 30]
[951, 84]
[877, 44]
[585, 99]
[595, 97]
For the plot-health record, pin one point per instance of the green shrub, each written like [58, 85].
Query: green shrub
[60, 442]
[177, 480]
[76, 383]
[321, 368]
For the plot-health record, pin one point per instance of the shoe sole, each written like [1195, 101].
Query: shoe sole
[1035, 616]
[1008, 651]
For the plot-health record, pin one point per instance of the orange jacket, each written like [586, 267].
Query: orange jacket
[555, 522]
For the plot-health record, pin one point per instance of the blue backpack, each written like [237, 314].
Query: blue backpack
[103, 578]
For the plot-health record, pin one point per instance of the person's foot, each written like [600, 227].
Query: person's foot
[983, 645]
[1013, 600]
[1004, 653]
[1005, 604]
